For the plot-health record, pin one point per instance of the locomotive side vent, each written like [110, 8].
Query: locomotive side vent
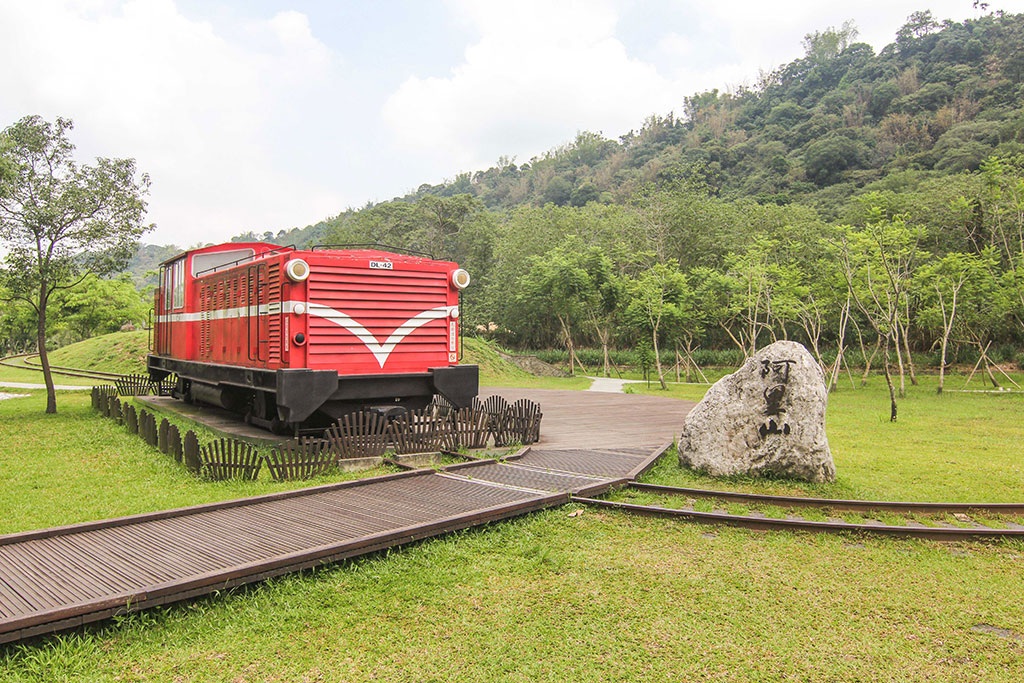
[205, 347]
[274, 312]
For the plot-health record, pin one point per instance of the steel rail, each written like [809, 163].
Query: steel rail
[4, 360]
[98, 374]
[60, 370]
[766, 523]
[832, 503]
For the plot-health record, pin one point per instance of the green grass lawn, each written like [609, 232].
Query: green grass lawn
[533, 382]
[548, 597]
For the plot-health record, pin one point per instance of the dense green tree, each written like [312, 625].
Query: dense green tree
[99, 306]
[828, 44]
[878, 262]
[827, 158]
[560, 287]
[584, 193]
[558, 191]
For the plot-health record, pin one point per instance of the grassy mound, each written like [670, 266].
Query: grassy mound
[494, 370]
[117, 352]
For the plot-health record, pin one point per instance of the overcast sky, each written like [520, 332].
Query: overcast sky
[262, 115]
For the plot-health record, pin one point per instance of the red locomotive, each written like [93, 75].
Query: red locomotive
[298, 338]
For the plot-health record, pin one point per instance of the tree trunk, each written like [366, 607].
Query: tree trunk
[51, 393]
[657, 361]
[691, 365]
[942, 361]
[988, 370]
[844, 319]
[604, 349]
[976, 365]
[888, 381]
[569, 346]
[947, 329]
[867, 361]
[910, 359]
[894, 333]
[603, 334]
[739, 344]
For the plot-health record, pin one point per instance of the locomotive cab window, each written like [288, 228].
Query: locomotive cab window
[165, 288]
[178, 270]
[206, 262]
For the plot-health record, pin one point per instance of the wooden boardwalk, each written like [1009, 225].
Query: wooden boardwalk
[59, 578]
[589, 419]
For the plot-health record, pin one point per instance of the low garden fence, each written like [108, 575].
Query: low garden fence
[363, 434]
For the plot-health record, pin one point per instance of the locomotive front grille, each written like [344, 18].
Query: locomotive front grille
[382, 302]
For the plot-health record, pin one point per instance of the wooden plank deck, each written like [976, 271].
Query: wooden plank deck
[58, 578]
[591, 419]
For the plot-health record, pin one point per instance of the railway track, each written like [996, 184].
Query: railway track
[59, 369]
[758, 521]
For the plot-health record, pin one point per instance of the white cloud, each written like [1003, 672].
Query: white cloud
[539, 72]
[194, 108]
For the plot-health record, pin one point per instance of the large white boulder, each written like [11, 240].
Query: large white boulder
[766, 418]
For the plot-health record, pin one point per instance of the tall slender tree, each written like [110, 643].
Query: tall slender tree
[659, 301]
[60, 220]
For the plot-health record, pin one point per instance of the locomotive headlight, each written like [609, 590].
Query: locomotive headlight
[299, 308]
[460, 278]
[454, 313]
[297, 269]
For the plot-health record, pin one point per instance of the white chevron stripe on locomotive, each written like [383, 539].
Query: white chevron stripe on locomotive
[380, 350]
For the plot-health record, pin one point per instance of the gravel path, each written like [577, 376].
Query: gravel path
[4, 396]
[610, 385]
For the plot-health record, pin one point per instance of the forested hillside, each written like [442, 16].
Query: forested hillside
[941, 98]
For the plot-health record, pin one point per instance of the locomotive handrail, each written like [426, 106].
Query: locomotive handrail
[252, 257]
[254, 295]
[249, 292]
[399, 250]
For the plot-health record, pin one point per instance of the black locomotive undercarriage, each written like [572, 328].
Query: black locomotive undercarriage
[296, 400]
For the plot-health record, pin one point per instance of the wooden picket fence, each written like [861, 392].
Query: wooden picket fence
[438, 427]
[300, 459]
[230, 459]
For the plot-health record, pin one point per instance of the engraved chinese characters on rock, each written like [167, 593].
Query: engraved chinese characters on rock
[776, 375]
